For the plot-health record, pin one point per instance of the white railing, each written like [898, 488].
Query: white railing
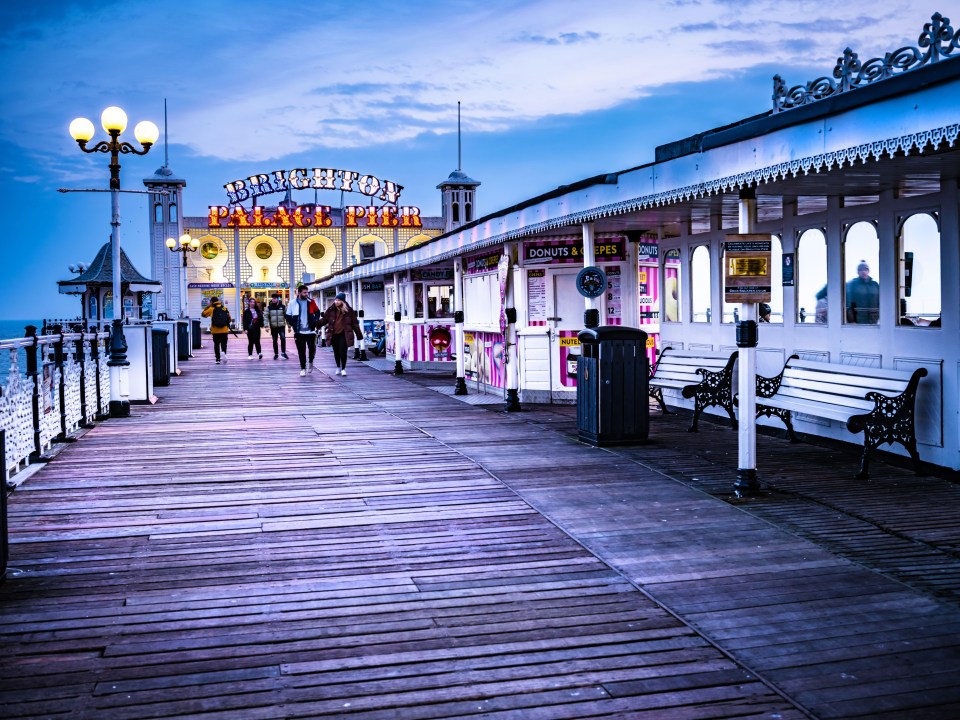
[55, 384]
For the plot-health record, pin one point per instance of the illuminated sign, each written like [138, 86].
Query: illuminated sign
[432, 274]
[746, 264]
[313, 216]
[569, 251]
[312, 179]
[481, 263]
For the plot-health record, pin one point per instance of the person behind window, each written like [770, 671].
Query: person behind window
[863, 297]
[764, 312]
[820, 314]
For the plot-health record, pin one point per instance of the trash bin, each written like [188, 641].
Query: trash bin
[196, 334]
[161, 357]
[183, 340]
[612, 403]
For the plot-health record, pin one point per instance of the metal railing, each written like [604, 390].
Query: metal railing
[61, 384]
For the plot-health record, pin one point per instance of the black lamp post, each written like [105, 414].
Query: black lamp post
[114, 122]
[183, 246]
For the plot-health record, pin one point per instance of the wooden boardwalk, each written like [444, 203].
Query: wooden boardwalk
[260, 545]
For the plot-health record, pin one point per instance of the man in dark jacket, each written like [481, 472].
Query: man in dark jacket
[278, 325]
[303, 315]
[863, 297]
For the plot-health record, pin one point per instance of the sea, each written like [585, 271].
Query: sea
[13, 329]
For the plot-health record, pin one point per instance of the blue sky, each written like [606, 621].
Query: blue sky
[551, 91]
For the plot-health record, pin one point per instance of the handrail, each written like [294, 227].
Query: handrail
[55, 384]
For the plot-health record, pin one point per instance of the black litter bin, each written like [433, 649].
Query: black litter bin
[161, 357]
[196, 334]
[183, 339]
[612, 403]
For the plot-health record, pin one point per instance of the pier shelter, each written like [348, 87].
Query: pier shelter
[854, 179]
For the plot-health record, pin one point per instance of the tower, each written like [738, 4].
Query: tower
[166, 221]
[457, 193]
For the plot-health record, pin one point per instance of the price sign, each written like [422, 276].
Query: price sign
[746, 269]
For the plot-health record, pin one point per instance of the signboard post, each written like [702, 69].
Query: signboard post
[746, 279]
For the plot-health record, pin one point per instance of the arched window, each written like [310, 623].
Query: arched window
[671, 286]
[158, 213]
[700, 284]
[812, 277]
[919, 298]
[861, 256]
[467, 212]
[173, 212]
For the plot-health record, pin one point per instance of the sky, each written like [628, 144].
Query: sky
[552, 91]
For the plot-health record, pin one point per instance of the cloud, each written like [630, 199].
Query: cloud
[375, 73]
[563, 38]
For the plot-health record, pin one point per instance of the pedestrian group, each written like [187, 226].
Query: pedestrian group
[305, 318]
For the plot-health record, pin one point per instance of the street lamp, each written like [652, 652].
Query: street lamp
[183, 246]
[114, 122]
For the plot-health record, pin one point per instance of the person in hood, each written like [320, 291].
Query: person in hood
[340, 321]
[275, 313]
[252, 324]
[219, 327]
[303, 315]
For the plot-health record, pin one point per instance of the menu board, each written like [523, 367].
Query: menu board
[537, 297]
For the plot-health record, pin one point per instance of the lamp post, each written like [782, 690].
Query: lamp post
[183, 246]
[114, 122]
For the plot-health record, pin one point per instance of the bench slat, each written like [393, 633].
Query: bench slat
[816, 409]
[848, 384]
[827, 386]
[853, 405]
[853, 370]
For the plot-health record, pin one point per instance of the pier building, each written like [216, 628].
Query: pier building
[853, 179]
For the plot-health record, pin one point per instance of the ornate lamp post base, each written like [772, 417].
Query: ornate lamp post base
[461, 387]
[398, 368]
[119, 372]
[513, 401]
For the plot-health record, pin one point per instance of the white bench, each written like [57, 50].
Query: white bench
[705, 376]
[876, 401]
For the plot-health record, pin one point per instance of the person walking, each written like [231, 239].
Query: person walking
[252, 324]
[278, 326]
[219, 327]
[303, 315]
[340, 319]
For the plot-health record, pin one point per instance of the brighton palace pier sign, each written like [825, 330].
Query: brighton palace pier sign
[390, 215]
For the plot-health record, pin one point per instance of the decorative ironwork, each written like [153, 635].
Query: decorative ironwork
[937, 42]
[654, 391]
[714, 390]
[890, 421]
[767, 387]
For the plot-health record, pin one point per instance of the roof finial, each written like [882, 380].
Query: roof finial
[459, 164]
[166, 145]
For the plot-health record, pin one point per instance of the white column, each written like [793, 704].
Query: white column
[361, 347]
[589, 259]
[397, 365]
[746, 483]
[458, 337]
[511, 358]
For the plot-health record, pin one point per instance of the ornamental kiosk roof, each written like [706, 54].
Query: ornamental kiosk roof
[100, 274]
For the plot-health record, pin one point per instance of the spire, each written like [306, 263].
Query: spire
[166, 143]
[459, 163]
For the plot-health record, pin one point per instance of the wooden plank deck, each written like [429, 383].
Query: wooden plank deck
[260, 545]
